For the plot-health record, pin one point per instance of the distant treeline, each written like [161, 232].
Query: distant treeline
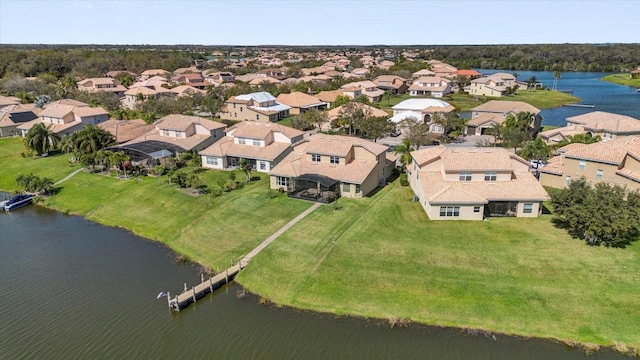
[95, 60]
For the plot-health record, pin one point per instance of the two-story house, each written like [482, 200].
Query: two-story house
[493, 112]
[616, 162]
[178, 133]
[257, 106]
[321, 167]
[605, 124]
[64, 119]
[474, 183]
[493, 86]
[421, 110]
[367, 88]
[192, 79]
[102, 84]
[395, 84]
[263, 146]
[301, 102]
[154, 72]
[433, 86]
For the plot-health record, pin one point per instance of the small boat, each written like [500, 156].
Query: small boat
[18, 201]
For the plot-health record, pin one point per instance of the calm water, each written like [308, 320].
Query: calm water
[72, 289]
[609, 97]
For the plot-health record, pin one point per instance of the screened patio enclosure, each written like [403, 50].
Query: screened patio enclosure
[501, 208]
[148, 153]
[315, 188]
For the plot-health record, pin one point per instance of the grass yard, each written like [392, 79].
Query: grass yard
[381, 257]
[207, 229]
[622, 79]
[12, 164]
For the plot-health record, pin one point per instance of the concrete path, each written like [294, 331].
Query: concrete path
[275, 235]
[68, 176]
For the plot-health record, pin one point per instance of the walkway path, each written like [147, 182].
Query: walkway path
[69, 176]
[275, 235]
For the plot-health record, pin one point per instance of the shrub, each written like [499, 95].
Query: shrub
[403, 180]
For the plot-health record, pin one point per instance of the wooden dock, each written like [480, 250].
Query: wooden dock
[192, 295]
[590, 106]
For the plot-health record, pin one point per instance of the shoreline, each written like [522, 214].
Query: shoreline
[585, 347]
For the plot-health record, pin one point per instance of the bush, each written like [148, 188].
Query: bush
[403, 180]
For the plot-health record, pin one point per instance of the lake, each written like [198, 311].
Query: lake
[73, 289]
[606, 96]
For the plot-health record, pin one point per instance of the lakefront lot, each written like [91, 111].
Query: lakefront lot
[375, 257]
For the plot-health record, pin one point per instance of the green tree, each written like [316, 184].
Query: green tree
[602, 214]
[375, 127]
[496, 130]
[246, 168]
[41, 139]
[451, 123]
[556, 76]
[404, 151]
[118, 159]
[388, 95]
[515, 138]
[531, 83]
[341, 100]
[536, 150]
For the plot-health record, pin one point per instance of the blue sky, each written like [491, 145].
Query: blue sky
[329, 22]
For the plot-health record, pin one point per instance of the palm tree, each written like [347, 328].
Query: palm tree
[387, 95]
[531, 84]
[556, 76]
[246, 168]
[404, 150]
[117, 159]
[105, 155]
[496, 131]
[41, 139]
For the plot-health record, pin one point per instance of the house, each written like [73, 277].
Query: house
[257, 106]
[102, 84]
[155, 83]
[474, 183]
[492, 112]
[366, 88]
[395, 84]
[192, 79]
[181, 132]
[608, 125]
[433, 86]
[9, 100]
[142, 93]
[555, 136]
[64, 118]
[487, 86]
[272, 73]
[126, 130]
[262, 145]
[154, 72]
[12, 116]
[264, 80]
[425, 107]
[115, 73]
[300, 102]
[335, 114]
[360, 72]
[468, 74]
[322, 166]
[615, 162]
[635, 74]
[443, 69]
[421, 73]
[329, 96]
[186, 90]
[219, 77]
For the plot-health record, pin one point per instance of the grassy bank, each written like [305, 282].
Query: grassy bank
[13, 163]
[622, 79]
[381, 257]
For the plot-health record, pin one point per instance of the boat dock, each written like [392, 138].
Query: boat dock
[569, 91]
[206, 286]
[590, 106]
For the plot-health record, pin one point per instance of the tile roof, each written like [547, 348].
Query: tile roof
[125, 130]
[505, 106]
[340, 145]
[298, 99]
[256, 130]
[605, 121]
[368, 109]
[182, 122]
[227, 147]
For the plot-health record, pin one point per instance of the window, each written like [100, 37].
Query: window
[334, 159]
[582, 165]
[257, 116]
[212, 160]
[527, 209]
[282, 181]
[476, 209]
[242, 141]
[240, 108]
[180, 134]
[567, 181]
[490, 176]
[256, 142]
[465, 175]
[315, 157]
[358, 189]
[234, 105]
[449, 211]
[165, 132]
[346, 187]
[599, 173]
[263, 165]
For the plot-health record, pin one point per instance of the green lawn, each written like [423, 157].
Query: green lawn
[381, 257]
[12, 163]
[622, 79]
